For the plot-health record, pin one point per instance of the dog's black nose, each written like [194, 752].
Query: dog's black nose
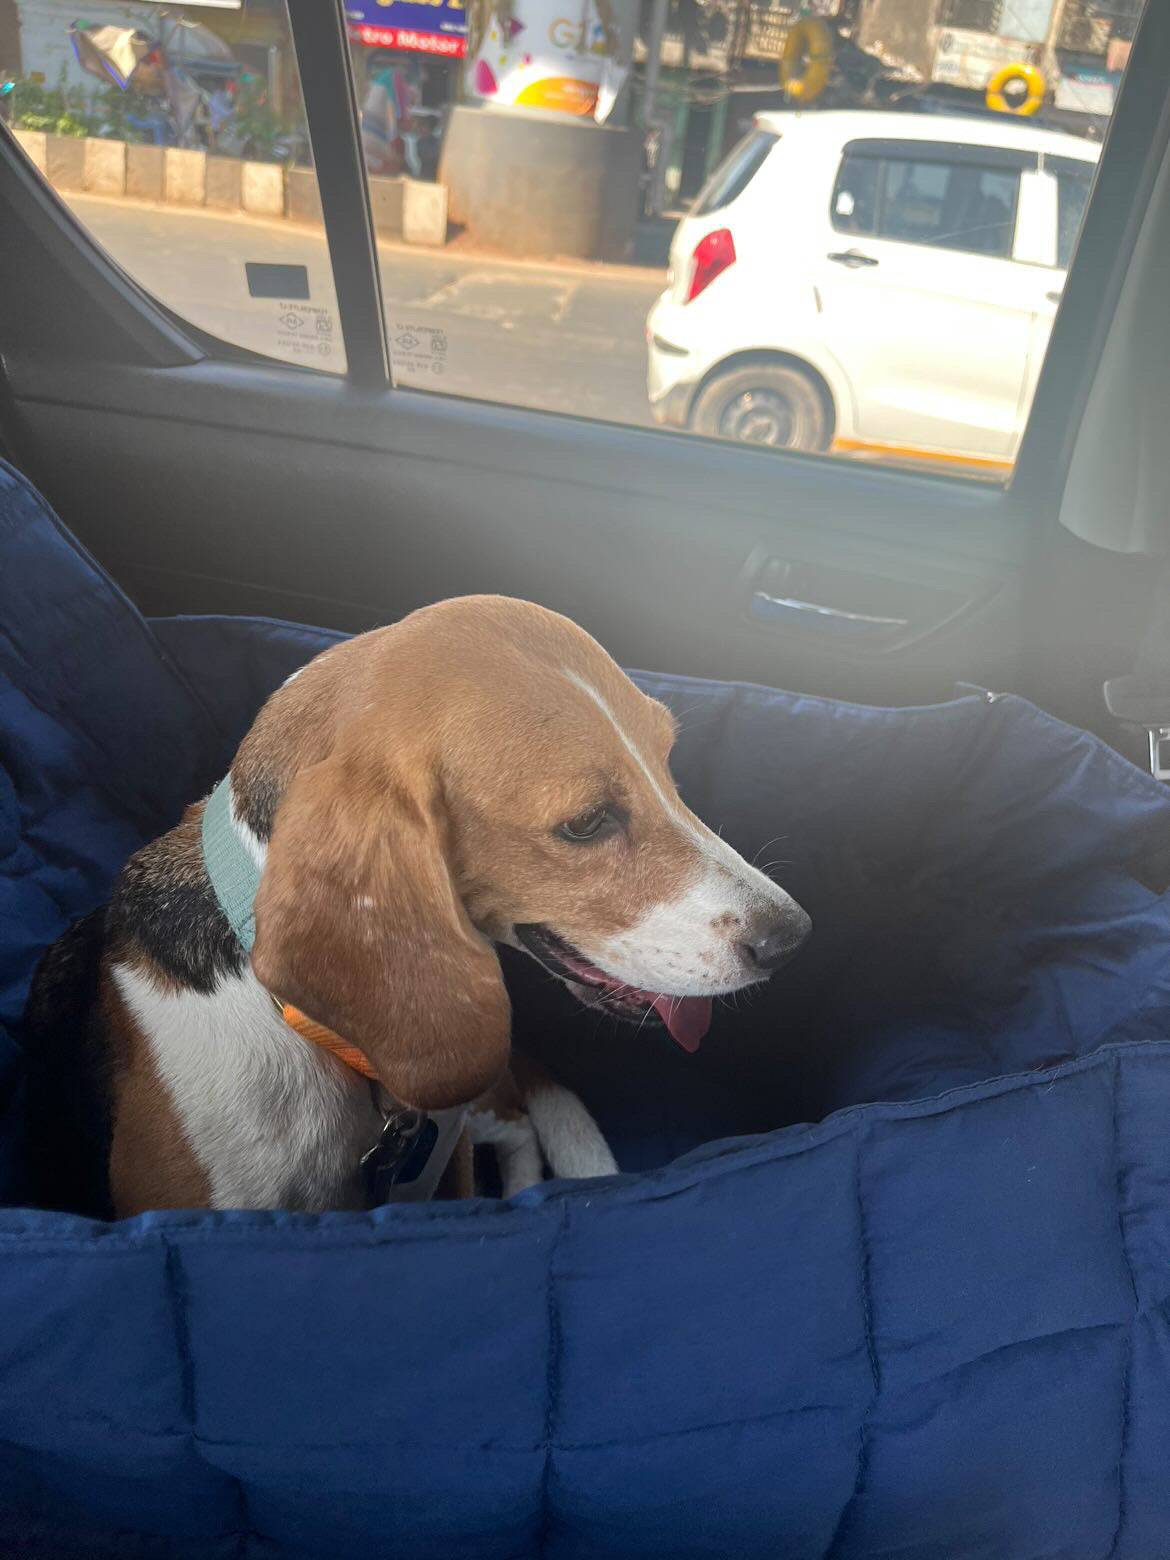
[776, 941]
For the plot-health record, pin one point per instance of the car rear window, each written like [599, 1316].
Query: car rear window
[735, 172]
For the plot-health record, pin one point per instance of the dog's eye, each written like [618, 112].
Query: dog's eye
[586, 825]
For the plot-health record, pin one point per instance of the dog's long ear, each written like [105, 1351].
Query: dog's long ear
[358, 925]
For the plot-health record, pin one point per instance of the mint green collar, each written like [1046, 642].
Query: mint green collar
[234, 875]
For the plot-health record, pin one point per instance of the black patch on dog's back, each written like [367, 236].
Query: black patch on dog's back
[164, 906]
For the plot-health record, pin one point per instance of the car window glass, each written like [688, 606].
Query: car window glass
[178, 139]
[734, 175]
[1072, 196]
[725, 221]
[855, 196]
[948, 205]
[713, 219]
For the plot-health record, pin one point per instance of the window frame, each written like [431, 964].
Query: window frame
[988, 19]
[321, 46]
[103, 316]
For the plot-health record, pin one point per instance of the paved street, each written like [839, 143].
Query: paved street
[563, 338]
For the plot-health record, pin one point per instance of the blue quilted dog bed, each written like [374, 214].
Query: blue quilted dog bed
[932, 1323]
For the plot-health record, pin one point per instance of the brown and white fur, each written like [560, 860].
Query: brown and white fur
[409, 796]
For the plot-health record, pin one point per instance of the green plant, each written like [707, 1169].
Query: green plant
[38, 107]
[254, 126]
[109, 110]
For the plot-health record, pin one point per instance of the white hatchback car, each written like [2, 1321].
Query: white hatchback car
[878, 283]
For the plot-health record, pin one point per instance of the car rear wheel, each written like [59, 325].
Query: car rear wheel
[763, 403]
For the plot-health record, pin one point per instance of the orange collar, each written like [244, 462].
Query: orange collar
[327, 1040]
[408, 1141]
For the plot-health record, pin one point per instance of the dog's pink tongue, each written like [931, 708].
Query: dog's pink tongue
[687, 1018]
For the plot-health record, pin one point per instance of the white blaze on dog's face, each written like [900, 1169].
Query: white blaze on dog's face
[484, 772]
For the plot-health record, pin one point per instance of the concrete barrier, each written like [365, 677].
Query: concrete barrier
[532, 182]
[403, 208]
[424, 212]
[302, 196]
[262, 189]
[65, 162]
[224, 183]
[105, 166]
[35, 145]
[184, 177]
[386, 206]
[145, 172]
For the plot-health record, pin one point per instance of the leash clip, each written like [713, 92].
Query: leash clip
[398, 1133]
[396, 1139]
[399, 1153]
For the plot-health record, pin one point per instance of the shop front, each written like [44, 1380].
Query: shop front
[407, 58]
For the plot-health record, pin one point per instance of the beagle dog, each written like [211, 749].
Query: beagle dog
[304, 968]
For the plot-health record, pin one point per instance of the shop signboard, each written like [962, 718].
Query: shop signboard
[970, 59]
[436, 27]
[553, 54]
[1085, 90]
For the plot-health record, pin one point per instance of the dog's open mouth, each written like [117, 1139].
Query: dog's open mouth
[686, 1018]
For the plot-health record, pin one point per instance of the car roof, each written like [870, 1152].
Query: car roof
[841, 125]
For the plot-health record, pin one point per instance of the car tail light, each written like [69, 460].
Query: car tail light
[714, 252]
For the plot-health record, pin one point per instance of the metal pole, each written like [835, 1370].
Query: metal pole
[652, 117]
[654, 55]
[1055, 24]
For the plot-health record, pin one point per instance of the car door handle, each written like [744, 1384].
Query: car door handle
[852, 258]
[1054, 297]
[859, 627]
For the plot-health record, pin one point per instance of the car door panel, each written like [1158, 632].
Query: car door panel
[1048, 288]
[900, 327]
[349, 511]
[210, 480]
[931, 326]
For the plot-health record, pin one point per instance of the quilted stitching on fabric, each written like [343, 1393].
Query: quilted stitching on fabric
[936, 1325]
